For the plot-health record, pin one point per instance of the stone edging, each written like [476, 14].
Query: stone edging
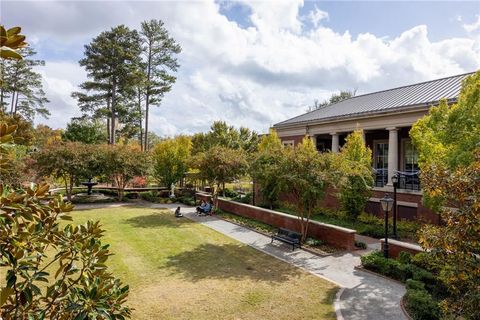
[336, 304]
[404, 309]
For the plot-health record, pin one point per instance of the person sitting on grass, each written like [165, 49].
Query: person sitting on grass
[178, 214]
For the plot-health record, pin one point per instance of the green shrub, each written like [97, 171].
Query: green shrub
[360, 244]
[314, 242]
[373, 231]
[369, 219]
[151, 196]
[415, 285]
[426, 261]
[388, 267]
[247, 198]
[189, 201]
[421, 305]
[229, 193]
[404, 257]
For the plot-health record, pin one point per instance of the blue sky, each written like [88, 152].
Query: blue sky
[382, 18]
[256, 63]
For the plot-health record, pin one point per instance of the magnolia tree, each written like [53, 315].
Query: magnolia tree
[52, 270]
[302, 175]
[266, 167]
[448, 141]
[171, 159]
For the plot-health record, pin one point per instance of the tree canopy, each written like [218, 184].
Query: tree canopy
[171, 159]
[334, 98]
[448, 141]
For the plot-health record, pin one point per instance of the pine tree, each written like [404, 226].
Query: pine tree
[159, 50]
[21, 89]
[111, 61]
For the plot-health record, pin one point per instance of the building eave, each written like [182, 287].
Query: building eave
[362, 115]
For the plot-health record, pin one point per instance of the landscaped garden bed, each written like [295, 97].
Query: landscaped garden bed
[311, 244]
[365, 224]
[424, 289]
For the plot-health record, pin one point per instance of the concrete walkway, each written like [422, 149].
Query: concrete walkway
[362, 295]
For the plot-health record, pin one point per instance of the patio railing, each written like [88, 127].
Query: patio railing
[406, 180]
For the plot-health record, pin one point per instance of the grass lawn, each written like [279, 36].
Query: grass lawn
[178, 269]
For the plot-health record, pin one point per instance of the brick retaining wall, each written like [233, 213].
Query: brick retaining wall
[333, 235]
[395, 247]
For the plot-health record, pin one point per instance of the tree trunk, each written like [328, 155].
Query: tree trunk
[223, 189]
[16, 104]
[147, 93]
[12, 102]
[2, 93]
[114, 91]
[109, 130]
[140, 120]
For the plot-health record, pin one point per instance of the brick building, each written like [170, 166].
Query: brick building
[385, 118]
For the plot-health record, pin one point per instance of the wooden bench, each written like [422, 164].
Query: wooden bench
[288, 236]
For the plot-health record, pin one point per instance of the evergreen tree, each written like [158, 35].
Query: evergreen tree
[21, 89]
[111, 60]
[159, 50]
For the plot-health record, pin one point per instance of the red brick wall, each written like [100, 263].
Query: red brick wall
[423, 214]
[333, 235]
[395, 247]
[420, 213]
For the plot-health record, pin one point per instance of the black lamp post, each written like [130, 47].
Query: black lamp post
[395, 186]
[387, 204]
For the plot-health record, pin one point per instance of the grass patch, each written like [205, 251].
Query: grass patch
[178, 269]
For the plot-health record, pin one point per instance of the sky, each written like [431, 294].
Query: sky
[256, 63]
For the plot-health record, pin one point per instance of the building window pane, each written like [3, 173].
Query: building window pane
[410, 157]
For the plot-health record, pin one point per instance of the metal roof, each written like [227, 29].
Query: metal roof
[415, 95]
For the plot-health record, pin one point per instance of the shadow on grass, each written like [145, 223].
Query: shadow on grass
[158, 219]
[229, 261]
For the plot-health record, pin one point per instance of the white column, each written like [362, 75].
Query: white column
[335, 142]
[314, 140]
[392, 153]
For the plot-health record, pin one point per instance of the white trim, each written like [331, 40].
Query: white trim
[286, 143]
[399, 203]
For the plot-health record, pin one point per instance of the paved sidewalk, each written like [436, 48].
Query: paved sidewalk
[363, 295]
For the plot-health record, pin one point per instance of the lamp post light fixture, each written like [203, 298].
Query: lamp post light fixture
[387, 204]
[395, 186]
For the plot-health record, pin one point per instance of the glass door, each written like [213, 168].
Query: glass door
[380, 163]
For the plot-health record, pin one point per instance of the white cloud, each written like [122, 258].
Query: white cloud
[253, 76]
[317, 15]
[474, 26]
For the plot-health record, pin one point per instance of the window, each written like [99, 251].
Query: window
[410, 156]
[288, 143]
[380, 160]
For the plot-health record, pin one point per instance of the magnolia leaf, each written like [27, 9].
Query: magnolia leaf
[8, 53]
[14, 31]
[4, 294]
